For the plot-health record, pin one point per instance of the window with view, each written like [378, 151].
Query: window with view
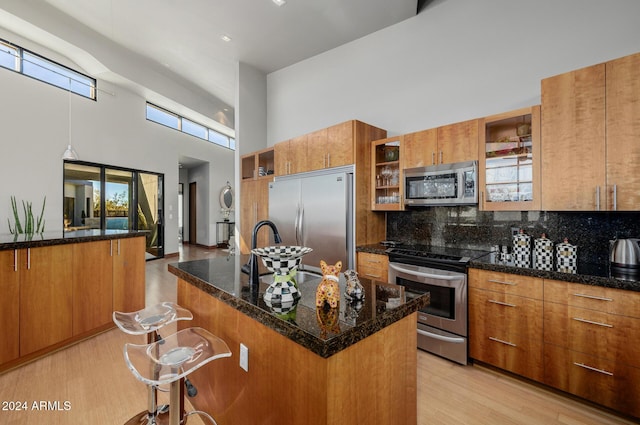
[35, 66]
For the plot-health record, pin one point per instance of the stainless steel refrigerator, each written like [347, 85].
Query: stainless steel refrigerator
[315, 209]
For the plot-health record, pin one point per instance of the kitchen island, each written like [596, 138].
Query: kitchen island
[353, 365]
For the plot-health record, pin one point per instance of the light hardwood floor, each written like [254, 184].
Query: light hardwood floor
[93, 378]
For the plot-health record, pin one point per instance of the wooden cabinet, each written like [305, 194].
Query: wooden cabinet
[419, 148]
[129, 271]
[46, 294]
[509, 161]
[386, 174]
[254, 201]
[55, 295]
[588, 343]
[331, 147]
[373, 266]
[457, 142]
[291, 156]
[505, 317]
[9, 305]
[623, 130]
[590, 122]
[92, 285]
[258, 164]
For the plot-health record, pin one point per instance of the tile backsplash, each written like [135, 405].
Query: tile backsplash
[467, 227]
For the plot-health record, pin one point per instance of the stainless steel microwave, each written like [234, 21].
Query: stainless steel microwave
[444, 184]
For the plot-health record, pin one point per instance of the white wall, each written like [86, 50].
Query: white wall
[456, 60]
[35, 123]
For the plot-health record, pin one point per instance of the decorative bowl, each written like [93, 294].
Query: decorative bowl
[281, 259]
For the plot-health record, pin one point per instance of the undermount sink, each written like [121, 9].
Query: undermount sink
[302, 276]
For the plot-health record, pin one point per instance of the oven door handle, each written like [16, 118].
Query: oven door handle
[458, 340]
[421, 274]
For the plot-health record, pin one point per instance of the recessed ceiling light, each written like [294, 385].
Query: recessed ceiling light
[225, 38]
[279, 2]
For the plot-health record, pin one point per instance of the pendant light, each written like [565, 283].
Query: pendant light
[70, 153]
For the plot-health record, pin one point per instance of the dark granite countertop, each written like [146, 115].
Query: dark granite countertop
[587, 274]
[9, 241]
[221, 277]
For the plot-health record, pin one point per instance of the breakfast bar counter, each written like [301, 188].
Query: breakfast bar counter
[351, 365]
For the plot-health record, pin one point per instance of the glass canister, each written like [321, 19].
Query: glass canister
[567, 257]
[521, 249]
[543, 250]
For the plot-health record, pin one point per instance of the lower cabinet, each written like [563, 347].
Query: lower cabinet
[590, 336]
[55, 295]
[9, 308]
[373, 266]
[46, 294]
[577, 338]
[505, 313]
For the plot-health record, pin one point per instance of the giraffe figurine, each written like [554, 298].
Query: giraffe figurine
[328, 290]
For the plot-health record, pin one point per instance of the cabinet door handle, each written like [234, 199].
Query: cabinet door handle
[604, 372]
[592, 297]
[615, 197]
[511, 344]
[328, 160]
[606, 325]
[15, 260]
[377, 276]
[502, 283]
[433, 158]
[118, 247]
[111, 248]
[597, 198]
[28, 258]
[440, 157]
[373, 261]
[501, 303]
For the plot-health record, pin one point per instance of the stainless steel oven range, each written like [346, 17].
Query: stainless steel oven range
[443, 324]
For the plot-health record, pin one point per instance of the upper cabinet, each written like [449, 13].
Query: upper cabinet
[257, 164]
[590, 125]
[509, 161]
[443, 145]
[457, 142]
[419, 148]
[386, 175]
[623, 133]
[291, 156]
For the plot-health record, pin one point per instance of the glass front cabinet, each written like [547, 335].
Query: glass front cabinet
[509, 161]
[386, 175]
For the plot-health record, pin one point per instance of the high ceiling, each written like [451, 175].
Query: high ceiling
[183, 38]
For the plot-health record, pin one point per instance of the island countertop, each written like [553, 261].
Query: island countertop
[384, 304]
[51, 238]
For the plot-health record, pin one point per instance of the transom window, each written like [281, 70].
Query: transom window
[170, 119]
[35, 66]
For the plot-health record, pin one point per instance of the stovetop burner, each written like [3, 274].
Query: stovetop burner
[434, 256]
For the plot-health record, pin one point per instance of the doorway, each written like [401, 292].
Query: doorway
[192, 213]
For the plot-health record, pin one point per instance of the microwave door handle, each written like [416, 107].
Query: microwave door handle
[421, 274]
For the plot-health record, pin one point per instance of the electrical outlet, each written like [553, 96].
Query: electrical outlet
[244, 357]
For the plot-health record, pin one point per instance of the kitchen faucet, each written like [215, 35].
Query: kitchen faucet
[251, 268]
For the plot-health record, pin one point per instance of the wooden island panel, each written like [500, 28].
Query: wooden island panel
[372, 381]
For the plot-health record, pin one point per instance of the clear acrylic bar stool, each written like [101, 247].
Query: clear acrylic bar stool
[149, 321]
[170, 360]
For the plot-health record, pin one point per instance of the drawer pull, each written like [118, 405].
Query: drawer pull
[377, 276]
[502, 342]
[373, 261]
[604, 372]
[592, 297]
[606, 325]
[502, 283]
[501, 303]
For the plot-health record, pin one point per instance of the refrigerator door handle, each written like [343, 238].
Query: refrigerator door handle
[296, 225]
[301, 242]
